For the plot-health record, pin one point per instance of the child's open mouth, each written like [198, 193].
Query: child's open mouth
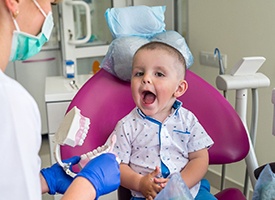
[148, 97]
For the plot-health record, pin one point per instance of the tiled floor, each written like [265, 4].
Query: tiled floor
[45, 157]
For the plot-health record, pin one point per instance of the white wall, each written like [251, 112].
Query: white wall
[238, 29]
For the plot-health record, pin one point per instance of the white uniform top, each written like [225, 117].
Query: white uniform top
[20, 141]
[143, 142]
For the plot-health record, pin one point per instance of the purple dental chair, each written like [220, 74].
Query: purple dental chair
[105, 99]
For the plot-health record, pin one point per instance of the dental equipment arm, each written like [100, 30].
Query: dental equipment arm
[221, 72]
[221, 66]
[272, 165]
[273, 102]
[245, 76]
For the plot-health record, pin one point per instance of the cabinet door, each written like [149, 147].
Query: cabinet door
[32, 75]
[56, 112]
[84, 33]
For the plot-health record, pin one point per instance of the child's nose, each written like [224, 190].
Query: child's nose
[146, 79]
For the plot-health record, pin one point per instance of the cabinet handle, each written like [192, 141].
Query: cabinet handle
[88, 21]
[39, 60]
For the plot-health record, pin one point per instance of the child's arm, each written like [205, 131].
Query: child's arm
[196, 168]
[134, 181]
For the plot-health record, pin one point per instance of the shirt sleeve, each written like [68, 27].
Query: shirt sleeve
[123, 146]
[199, 138]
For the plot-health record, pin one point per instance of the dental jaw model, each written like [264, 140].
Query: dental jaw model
[107, 147]
[72, 131]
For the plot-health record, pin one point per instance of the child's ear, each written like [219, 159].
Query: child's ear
[182, 87]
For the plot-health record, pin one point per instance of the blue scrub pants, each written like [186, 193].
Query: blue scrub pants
[204, 191]
[203, 194]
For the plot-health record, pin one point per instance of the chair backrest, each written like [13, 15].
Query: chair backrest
[105, 99]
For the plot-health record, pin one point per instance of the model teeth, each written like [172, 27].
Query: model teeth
[81, 141]
[98, 151]
[89, 154]
[83, 156]
[83, 136]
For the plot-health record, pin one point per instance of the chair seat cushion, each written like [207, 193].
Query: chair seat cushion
[229, 194]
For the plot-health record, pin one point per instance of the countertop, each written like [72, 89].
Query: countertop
[59, 88]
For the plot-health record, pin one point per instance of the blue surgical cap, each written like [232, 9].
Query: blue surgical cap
[143, 21]
[174, 39]
[133, 27]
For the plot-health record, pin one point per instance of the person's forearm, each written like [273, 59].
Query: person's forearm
[196, 168]
[44, 185]
[80, 188]
[129, 178]
[192, 175]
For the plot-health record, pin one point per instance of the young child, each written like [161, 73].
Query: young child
[159, 136]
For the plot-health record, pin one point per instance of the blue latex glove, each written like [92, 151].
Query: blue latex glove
[56, 178]
[103, 172]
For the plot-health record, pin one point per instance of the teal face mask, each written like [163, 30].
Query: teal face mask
[25, 45]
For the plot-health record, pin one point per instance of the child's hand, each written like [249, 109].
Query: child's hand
[148, 187]
[161, 181]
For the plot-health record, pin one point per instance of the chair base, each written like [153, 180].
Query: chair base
[124, 193]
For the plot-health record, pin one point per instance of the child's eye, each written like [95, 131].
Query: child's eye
[159, 74]
[139, 74]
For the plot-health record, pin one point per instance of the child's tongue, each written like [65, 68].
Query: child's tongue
[149, 98]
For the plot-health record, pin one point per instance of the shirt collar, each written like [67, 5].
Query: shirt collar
[177, 104]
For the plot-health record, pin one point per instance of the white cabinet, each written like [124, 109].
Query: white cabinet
[55, 114]
[32, 73]
[58, 95]
[85, 34]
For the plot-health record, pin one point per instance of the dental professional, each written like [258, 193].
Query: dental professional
[25, 25]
